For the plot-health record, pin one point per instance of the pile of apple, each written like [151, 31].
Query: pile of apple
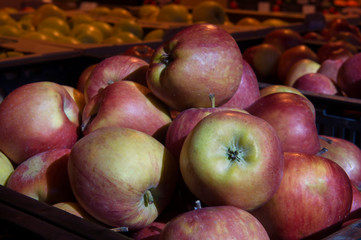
[50, 23]
[186, 144]
[284, 57]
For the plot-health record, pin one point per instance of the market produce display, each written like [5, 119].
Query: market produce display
[180, 142]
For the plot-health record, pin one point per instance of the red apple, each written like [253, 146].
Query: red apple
[122, 177]
[150, 232]
[283, 38]
[263, 59]
[291, 56]
[356, 199]
[126, 104]
[315, 193]
[37, 117]
[44, 177]
[221, 222]
[140, 51]
[186, 69]
[316, 83]
[73, 208]
[84, 76]
[113, 69]
[247, 91]
[348, 77]
[293, 118]
[344, 153]
[229, 156]
[329, 49]
[300, 68]
[330, 67]
[315, 36]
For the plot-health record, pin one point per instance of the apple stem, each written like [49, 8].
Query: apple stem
[212, 97]
[329, 141]
[120, 229]
[148, 198]
[197, 205]
[165, 58]
[322, 151]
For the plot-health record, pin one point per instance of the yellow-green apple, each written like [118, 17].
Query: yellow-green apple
[133, 198]
[247, 91]
[45, 11]
[83, 77]
[105, 27]
[348, 77]
[10, 30]
[6, 19]
[113, 69]
[328, 49]
[79, 19]
[156, 34]
[36, 35]
[44, 177]
[248, 21]
[173, 13]
[36, 117]
[316, 83]
[229, 156]
[55, 23]
[114, 40]
[314, 194]
[274, 22]
[120, 12]
[300, 68]
[210, 12]
[25, 25]
[283, 38]
[293, 118]
[87, 33]
[148, 12]
[125, 37]
[128, 25]
[67, 40]
[140, 51]
[99, 11]
[6, 168]
[344, 153]
[217, 222]
[186, 69]
[278, 88]
[291, 56]
[126, 104]
[263, 59]
[51, 33]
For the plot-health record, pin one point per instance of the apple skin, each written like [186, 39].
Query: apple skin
[73, 208]
[283, 38]
[133, 198]
[348, 77]
[356, 199]
[36, 117]
[219, 222]
[263, 59]
[209, 11]
[291, 56]
[115, 68]
[279, 88]
[300, 68]
[186, 69]
[314, 194]
[150, 232]
[126, 104]
[329, 49]
[84, 76]
[44, 177]
[317, 83]
[344, 153]
[247, 91]
[293, 118]
[229, 156]
[330, 68]
[6, 169]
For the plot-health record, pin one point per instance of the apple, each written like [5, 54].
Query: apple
[315, 193]
[45, 11]
[80, 18]
[25, 25]
[43, 177]
[104, 27]
[133, 198]
[84, 76]
[348, 37]
[330, 67]
[274, 22]
[37, 36]
[293, 118]
[316, 83]
[120, 12]
[74, 208]
[126, 104]
[229, 156]
[283, 38]
[247, 91]
[55, 23]
[154, 35]
[356, 199]
[338, 25]
[278, 88]
[87, 33]
[174, 74]
[150, 232]
[128, 25]
[348, 77]
[112, 69]
[10, 30]
[148, 12]
[300, 68]
[67, 40]
[6, 19]
[114, 40]
[209, 11]
[263, 59]
[328, 49]
[51, 33]
[36, 117]
[126, 37]
[99, 11]
[291, 56]
[173, 13]
[77, 96]
[6, 168]
[345, 153]
[218, 222]
[140, 51]
[248, 21]
[314, 36]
